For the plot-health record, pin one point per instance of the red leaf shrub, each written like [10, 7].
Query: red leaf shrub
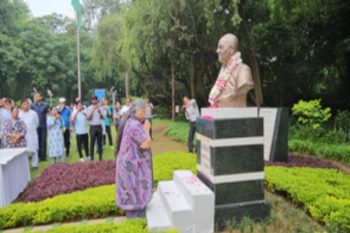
[65, 178]
[303, 161]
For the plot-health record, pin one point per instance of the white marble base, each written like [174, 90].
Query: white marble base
[185, 204]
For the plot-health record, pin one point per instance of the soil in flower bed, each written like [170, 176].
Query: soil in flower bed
[65, 178]
[304, 161]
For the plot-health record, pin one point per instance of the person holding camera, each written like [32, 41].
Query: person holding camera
[79, 121]
[96, 115]
[191, 112]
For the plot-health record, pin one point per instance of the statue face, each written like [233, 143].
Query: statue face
[224, 50]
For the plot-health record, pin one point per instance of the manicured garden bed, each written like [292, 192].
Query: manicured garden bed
[94, 202]
[178, 131]
[324, 193]
[339, 152]
[303, 161]
[67, 178]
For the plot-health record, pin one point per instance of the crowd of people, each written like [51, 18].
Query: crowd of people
[39, 127]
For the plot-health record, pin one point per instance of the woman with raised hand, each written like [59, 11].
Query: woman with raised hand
[134, 178]
[55, 127]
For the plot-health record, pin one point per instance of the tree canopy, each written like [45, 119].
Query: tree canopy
[297, 49]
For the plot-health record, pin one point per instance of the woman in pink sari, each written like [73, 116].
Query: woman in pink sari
[134, 177]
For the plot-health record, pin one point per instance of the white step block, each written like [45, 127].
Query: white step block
[200, 198]
[178, 210]
[157, 218]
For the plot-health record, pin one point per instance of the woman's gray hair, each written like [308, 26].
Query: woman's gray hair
[138, 104]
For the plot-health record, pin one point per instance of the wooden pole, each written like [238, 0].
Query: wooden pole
[127, 84]
[193, 77]
[78, 61]
[253, 57]
[173, 115]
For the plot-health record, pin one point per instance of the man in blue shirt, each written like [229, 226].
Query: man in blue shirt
[65, 113]
[42, 110]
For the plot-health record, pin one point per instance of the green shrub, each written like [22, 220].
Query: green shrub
[165, 164]
[339, 152]
[128, 226]
[95, 202]
[342, 124]
[310, 113]
[176, 130]
[161, 112]
[324, 193]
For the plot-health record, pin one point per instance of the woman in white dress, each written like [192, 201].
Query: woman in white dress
[55, 127]
[31, 121]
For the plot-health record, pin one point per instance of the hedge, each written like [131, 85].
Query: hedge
[94, 202]
[324, 193]
[128, 226]
[340, 152]
[178, 131]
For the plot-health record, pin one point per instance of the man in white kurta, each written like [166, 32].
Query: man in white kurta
[31, 121]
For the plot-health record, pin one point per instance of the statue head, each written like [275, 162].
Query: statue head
[227, 46]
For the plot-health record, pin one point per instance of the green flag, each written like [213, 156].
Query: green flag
[77, 7]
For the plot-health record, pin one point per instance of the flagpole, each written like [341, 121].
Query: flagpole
[78, 61]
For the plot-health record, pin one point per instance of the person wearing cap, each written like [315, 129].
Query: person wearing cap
[96, 115]
[5, 114]
[65, 113]
[42, 110]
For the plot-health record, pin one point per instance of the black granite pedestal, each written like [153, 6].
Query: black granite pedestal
[230, 161]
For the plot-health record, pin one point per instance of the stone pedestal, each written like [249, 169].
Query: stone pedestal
[230, 161]
[275, 127]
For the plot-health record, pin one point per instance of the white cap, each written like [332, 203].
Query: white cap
[62, 100]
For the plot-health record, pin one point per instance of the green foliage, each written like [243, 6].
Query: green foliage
[177, 131]
[165, 164]
[311, 114]
[339, 152]
[128, 226]
[91, 203]
[342, 123]
[94, 202]
[324, 193]
[162, 112]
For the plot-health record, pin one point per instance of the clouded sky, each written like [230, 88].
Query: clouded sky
[46, 7]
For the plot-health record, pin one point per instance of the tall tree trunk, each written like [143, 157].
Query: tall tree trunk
[126, 74]
[173, 115]
[193, 77]
[252, 56]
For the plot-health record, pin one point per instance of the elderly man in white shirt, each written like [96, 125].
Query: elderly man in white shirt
[126, 107]
[192, 112]
[31, 121]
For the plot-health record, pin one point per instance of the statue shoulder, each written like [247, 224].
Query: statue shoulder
[244, 70]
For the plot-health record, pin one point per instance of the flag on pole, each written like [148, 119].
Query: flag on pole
[79, 12]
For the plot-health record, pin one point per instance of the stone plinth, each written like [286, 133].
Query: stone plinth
[230, 161]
